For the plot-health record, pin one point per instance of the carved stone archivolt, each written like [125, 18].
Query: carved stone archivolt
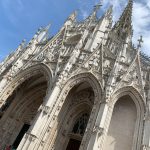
[20, 78]
[86, 64]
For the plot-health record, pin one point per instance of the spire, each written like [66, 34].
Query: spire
[23, 43]
[124, 25]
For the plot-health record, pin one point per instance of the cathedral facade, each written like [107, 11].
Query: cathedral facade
[86, 88]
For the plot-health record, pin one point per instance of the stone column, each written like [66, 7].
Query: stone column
[98, 128]
[41, 120]
[3, 83]
[146, 136]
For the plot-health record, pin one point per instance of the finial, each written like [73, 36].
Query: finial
[95, 9]
[48, 26]
[140, 41]
[23, 42]
[130, 1]
[40, 28]
[21, 45]
[73, 15]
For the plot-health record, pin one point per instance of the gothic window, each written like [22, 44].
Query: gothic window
[78, 132]
[80, 125]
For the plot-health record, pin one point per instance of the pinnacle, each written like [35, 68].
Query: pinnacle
[129, 7]
[73, 15]
[110, 10]
[48, 26]
[95, 10]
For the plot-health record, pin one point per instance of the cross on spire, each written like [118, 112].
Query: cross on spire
[97, 6]
[140, 41]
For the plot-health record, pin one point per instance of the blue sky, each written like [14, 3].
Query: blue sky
[20, 19]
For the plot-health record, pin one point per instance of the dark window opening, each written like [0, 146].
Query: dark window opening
[73, 144]
[20, 135]
[78, 129]
[80, 125]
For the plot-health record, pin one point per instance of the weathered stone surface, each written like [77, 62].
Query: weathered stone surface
[87, 86]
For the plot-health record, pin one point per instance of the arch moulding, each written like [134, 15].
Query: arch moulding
[82, 77]
[65, 89]
[24, 75]
[140, 107]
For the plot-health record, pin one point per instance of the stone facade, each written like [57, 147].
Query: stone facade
[86, 88]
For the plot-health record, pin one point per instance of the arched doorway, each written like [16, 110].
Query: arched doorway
[124, 126]
[74, 116]
[20, 109]
[71, 129]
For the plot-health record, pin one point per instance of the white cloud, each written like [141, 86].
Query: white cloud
[84, 13]
[141, 24]
[84, 6]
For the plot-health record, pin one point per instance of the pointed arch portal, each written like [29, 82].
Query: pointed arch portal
[122, 126]
[74, 116]
[80, 102]
[20, 108]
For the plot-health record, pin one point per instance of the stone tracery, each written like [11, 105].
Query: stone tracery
[71, 83]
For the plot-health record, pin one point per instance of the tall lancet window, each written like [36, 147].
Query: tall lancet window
[78, 132]
[80, 125]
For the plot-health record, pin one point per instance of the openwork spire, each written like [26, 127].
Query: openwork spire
[124, 25]
[109, 12]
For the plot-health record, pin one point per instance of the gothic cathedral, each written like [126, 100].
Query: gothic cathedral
[86, 88]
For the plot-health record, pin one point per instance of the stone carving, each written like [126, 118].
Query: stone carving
[98, 130]
[90, 53]
[83, 96]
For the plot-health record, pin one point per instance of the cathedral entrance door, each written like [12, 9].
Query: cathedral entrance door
[20, 135]
[21, 108]
[73, 144]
